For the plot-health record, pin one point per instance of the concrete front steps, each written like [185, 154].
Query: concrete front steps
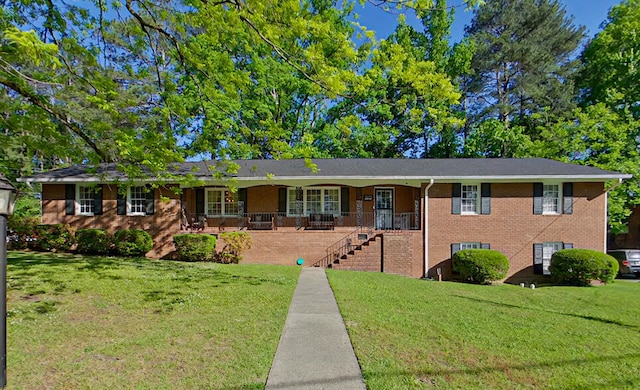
[365, 257]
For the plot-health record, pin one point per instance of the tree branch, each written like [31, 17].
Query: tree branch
[38, 102]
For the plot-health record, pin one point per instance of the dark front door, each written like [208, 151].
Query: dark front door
[384, 208]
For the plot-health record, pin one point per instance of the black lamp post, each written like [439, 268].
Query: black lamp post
[7, 201]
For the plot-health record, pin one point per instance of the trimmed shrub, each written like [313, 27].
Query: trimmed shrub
[56, 237]
[21, 231]
[480, 265]
[579, 267]
[94, 241]
[132, 242]
[195, 247]
[234, 244]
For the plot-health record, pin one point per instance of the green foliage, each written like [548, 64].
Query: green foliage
[480, 265]
[195, 247]
[94, 241]
[133, 242]
[602, 137]
[611, 61]
[491, 138]
[21, 231]
[234, 244]
[578, 267]
[523, 62]
[55, 237]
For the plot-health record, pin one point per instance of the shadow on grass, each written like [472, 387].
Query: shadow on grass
[27, 264]
[37, 273]
[583, 316]
[426, 375]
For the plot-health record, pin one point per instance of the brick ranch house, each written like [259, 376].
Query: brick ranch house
[403, 216]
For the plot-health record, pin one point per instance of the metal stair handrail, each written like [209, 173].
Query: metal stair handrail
[343, 246]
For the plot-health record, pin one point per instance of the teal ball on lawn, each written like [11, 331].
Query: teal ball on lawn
[300, 261]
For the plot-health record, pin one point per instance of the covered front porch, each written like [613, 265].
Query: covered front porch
[283, 208]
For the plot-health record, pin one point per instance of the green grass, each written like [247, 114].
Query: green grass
[93, 322]
[416, 334]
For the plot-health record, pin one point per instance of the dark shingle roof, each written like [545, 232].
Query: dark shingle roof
[359, 169]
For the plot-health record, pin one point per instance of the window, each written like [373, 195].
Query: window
[469, 245]
[315, 200]
[542, 253]
[469, 199]
[85, 200]
[137, 201]
[458, 246]
[221, 202]
[548, 249]
[551, 199]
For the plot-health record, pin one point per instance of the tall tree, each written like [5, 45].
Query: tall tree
[610, 82]
[393, 106]
[524, 60]
[611, 72]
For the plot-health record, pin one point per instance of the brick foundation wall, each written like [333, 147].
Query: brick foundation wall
[286, 246]
[512, 228]
[403, 254]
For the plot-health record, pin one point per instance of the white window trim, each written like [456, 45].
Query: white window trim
[304, 200]
[470, 245]
[546, 262]
[129, 212]
[77, 202]
[478, 198]
[223, 212]
[559, 204]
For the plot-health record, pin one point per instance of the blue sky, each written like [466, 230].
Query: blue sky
[590, 13]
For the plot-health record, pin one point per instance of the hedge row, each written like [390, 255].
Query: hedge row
[25, 233]
[132, 242]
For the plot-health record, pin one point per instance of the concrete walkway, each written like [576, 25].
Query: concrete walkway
[314, 350]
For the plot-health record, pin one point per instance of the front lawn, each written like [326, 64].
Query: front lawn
[109, 323]
[411, 333]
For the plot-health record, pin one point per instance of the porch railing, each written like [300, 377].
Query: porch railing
[275, 220]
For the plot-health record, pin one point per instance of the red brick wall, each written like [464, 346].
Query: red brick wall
[163, 225]
[286, 245]
[403, 253]
[512, 228]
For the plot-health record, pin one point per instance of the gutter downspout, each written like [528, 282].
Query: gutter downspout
[606, 212]
[426, 227]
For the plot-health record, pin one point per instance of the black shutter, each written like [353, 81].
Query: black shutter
[344, 199]
[537, 259]
[242, 197]
[485, 193]
[567, 198]
[200, 201]
[455, 247]
[567, 245]
[485, 246]
[456, 194]
[70, 199]
[150, 204]
[537, 198]
[282, 200]
[122, 202]
[97, 200]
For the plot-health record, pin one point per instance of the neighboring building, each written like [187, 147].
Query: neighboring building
[404, 216]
